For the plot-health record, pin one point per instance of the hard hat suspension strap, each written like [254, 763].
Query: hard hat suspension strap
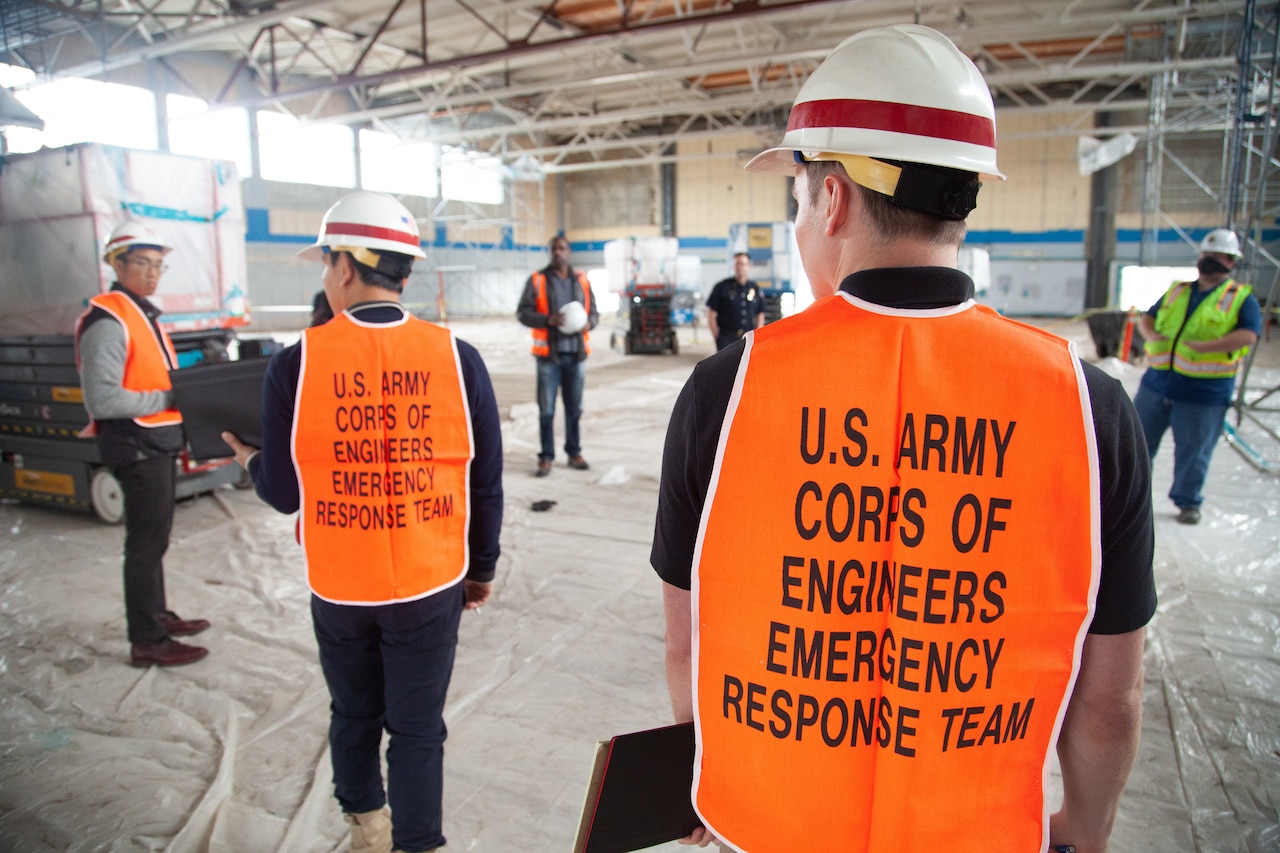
[946, 193]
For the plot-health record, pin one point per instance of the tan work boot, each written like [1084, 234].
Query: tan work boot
[370, 831]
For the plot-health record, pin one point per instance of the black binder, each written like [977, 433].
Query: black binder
[216, 397]
[640, 793]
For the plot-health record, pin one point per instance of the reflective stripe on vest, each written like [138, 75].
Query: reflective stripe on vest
[1215, 316]
[543, 304]
[147, 360]
[894, 575]
[382, 444]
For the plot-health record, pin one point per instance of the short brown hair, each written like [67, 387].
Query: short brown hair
[888, 219]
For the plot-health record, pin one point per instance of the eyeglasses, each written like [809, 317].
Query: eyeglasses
[144, 264]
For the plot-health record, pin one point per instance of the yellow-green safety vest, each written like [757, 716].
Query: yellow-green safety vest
[1213, 318]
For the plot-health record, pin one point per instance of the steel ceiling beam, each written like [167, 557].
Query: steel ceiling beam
[517, 49]
[193, 37]
[452, 87]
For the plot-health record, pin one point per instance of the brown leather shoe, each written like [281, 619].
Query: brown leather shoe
[544, 468]
[176, 626]
[167, 652]
[578, 463]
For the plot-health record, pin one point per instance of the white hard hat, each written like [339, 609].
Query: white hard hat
[133, 235]
[575, 317]
[903, 93]
[1222, 241]
[367, 220]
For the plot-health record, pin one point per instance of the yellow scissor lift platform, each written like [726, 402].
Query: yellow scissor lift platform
[43, 459]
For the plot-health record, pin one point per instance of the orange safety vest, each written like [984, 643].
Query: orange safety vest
[383, 446]
[147, 360]
[540, 338]
[894, 576]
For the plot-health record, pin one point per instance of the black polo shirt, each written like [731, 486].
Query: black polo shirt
[1126, 594]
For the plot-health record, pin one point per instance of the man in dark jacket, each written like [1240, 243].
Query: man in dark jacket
[558, 305]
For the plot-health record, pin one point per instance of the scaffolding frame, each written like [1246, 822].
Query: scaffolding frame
[1244, 195]
[479, 265]
[1250, 202]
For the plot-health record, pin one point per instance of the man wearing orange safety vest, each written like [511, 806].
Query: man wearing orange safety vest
[382, 431]
[1196, 336]
[558, 305]
[125, 359]
[945, 576]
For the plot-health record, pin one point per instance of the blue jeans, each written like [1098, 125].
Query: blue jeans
[564, 372]
[1196, 429]
[389, 666]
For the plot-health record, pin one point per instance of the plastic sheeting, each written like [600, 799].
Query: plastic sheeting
[58, 206]
[229, 754]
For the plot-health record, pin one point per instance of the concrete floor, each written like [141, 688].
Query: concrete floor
[229, 754]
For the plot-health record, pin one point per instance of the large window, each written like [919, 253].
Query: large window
[465, 177]
[321, 154]
[15, 75]
[218, 135]
[84, 111]
[390, 165]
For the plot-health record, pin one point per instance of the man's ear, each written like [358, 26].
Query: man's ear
[344, 267]
[838, 193]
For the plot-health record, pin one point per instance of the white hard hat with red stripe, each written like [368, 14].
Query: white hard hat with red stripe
[133, 235]
[903, 93]
[1223, 241]
[370, 221]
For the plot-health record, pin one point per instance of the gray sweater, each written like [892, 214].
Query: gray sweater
[102, 355]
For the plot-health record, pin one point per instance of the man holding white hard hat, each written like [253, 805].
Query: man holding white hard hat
[558, 305]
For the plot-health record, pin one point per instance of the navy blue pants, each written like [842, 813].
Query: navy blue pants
[388, 666]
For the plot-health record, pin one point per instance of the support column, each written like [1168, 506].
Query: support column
[255, 156]
[669, 194]
[1100, 233]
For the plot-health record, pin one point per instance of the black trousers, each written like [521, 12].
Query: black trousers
[727, 336]
[148, 487]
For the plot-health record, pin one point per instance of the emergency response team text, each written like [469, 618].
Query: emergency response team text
[383, 476]
[846, 515]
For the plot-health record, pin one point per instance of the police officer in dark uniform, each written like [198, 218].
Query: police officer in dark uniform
[736, 305]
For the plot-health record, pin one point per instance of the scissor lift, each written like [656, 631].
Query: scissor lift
[43, 460]
[650, 331]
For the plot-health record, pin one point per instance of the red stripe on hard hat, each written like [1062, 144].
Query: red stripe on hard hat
[896, 118]
[352, 229]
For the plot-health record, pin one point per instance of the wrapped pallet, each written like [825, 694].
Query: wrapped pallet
[58, 206]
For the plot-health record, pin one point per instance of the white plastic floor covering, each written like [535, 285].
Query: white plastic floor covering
[229, 754]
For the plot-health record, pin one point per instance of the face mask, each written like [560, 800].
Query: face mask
[1211, 266]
